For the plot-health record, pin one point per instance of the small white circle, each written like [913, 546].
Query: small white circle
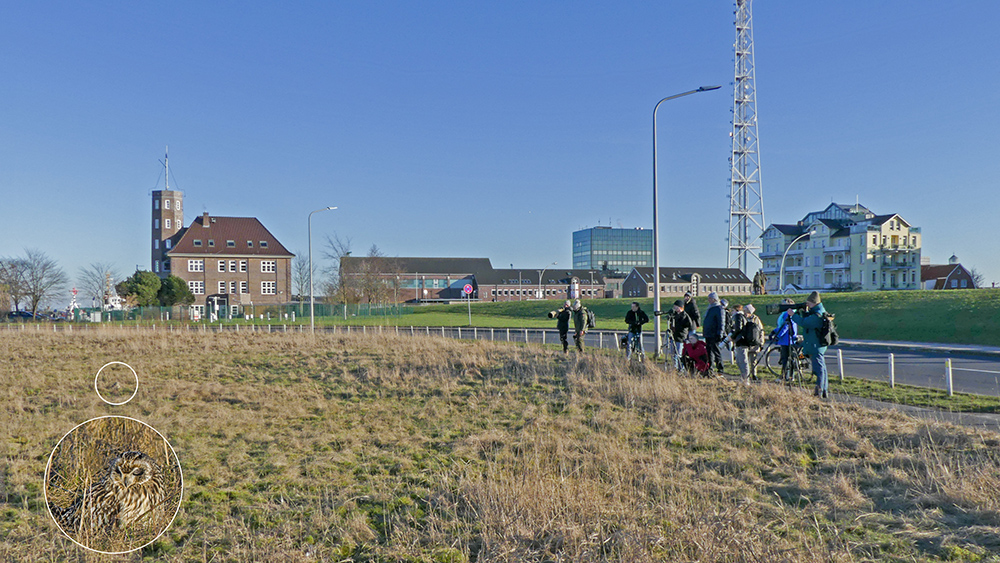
[96, 377]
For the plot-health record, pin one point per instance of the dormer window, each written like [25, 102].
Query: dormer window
[230, 244]
[249, 244]
[197, 242]
[211, 242]
[263, 244]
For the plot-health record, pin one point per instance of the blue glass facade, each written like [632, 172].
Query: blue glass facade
[618, 249]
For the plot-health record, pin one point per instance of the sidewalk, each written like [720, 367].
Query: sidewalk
[972, 349]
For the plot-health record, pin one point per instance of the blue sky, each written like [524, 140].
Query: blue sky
[489, 129]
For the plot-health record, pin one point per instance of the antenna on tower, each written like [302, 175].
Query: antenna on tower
[746, 202]
[166, 168]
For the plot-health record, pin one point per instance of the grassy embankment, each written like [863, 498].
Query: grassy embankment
[351, 448]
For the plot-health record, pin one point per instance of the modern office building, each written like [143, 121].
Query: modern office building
[845, 247]
[605, 248]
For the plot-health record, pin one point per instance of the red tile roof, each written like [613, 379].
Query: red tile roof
[213, 234]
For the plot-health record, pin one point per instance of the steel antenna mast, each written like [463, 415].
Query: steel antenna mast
[746, 201]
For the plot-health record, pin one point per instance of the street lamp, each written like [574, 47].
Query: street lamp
[656, 218]
[540, 274]
[312, 306]
[781, 270]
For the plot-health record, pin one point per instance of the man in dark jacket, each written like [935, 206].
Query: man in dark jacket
[679, 325]
[714, 331]
[562, 323]
[691, 308]
[635, 318]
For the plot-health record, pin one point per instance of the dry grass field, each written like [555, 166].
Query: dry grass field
[354, 448]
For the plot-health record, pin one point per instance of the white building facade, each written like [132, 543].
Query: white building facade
[843, 247]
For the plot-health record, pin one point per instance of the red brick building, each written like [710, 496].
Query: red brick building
[228, 262]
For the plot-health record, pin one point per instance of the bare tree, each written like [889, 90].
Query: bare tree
[978, 278]
[94, 279]
[12, 280]
[43, 278]
[300, 275]
[338, 288]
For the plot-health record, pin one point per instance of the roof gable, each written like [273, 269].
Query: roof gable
[226, 236]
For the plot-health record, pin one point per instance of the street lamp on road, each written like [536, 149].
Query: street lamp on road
[312, 311]
[656, 218]
[781, 270]
[540, 274]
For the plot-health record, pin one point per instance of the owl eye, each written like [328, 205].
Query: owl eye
[137, 471]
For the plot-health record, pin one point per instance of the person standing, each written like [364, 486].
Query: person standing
[811, 320]
[785, 334]
[562, 323]
[713, 331]
[747, 347]
[579, 323]
[680, 324]
[691, 308]
[635, 318]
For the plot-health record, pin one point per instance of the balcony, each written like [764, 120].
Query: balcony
[794, 268]
[837, 266]
[794, 251]
[838, 248]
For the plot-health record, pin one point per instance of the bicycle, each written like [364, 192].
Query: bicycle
[633, 347]
[794, 371]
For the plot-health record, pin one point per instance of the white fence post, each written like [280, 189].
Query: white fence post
[491, 335]
[840, 362]
[459, 333]
[508, 335]
[600, 340]
[475, 333]
[947, 377]
[543, 337]
[892, 370]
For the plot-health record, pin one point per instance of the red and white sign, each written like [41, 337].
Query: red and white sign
[467, 289]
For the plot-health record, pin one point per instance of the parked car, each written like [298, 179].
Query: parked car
[20, 316]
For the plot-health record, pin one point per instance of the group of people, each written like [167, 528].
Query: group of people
[738, 327]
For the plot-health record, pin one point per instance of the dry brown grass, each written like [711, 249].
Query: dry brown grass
[413, 449]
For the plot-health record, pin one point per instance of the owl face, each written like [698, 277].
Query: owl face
[131, 469]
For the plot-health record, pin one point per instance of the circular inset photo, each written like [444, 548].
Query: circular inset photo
[113, 484]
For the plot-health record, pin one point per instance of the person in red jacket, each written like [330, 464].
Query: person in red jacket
[696, 355]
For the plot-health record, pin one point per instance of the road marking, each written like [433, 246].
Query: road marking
[975, 370]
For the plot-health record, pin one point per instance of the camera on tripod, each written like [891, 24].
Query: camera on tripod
[779, 308]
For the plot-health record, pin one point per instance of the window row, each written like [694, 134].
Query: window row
[266, 266]
[266, 287]
[229, 243]
[166, 204]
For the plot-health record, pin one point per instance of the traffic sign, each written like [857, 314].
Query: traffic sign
[467, 289]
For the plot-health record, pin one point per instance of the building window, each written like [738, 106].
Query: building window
[232, 287]
[156, 223]
[211, 242]
[156, 244]
[166, 223]
[222, 265]
[230, 244]
[249, 244]
[222, 287]
[268, 266]
[197, 287]
[168, 244]
[177, 205]
[954, 284]
[243, 287]
[243, 265]
[232, 265]
[156, 265]
[268, 287]
[156, 204]
[263, 244]
[197, 242]
[166, 204]
[196, 266]
[166, 265]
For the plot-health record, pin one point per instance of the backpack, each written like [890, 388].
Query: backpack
[591, 319]
[827, 332]
[750, 335]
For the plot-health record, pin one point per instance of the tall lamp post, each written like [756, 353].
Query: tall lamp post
[656, 218]
[540, 274]
[781, 270]
[312, 305]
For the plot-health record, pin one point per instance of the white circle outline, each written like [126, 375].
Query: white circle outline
[48, 468]
[96, 377]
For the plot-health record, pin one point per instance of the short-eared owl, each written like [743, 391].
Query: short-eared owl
[131, 487]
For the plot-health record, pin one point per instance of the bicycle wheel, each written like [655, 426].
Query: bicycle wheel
[772, 360]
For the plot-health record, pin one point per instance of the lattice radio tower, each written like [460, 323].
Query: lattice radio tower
[746, 201]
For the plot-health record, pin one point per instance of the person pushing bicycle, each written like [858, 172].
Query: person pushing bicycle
[635, 318]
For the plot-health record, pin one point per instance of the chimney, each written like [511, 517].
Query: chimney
[204, 219]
